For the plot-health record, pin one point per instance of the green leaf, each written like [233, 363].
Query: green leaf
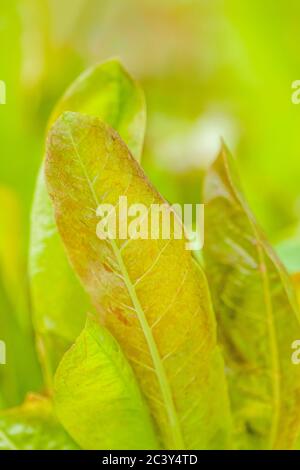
[59, 303]
[108, 92]
[150, 294]
[97, 398]
[33, 426]
[257, 316]
[21, 373]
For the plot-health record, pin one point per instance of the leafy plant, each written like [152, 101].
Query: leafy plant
[257, 314]
[108, 92]
[149, 293]
[132, 352]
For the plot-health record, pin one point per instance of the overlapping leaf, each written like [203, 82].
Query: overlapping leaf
[97, 398]
[33, 426]
[149, 293]
[257, 316]
[60, 304]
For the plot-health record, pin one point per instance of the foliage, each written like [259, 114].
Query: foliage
[149, 293]
[138, 346]
[108, 92]
[257, 313]
[33, 426]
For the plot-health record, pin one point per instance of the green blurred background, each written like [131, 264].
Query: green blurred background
[209, 68]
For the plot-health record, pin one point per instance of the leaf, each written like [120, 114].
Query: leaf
[33, 426]
[108, 92]
[256, 313]
[59, 302]
[150, 294]
[15, 322]
[97, 398]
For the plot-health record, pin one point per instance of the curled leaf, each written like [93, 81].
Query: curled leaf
[257, 316]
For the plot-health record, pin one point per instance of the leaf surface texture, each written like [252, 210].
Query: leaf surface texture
[150, 294]
[60, 304]
[97, 397]
[257, 315]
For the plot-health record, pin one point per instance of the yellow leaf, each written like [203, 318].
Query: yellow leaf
[257, 316]
[149, 293]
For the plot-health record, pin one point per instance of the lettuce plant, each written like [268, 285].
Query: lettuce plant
[139, 349]
[257, 314]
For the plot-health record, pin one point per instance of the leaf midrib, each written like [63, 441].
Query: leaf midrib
[269, 309]
[175, 428]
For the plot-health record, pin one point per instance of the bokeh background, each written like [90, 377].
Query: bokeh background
[209, 68]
